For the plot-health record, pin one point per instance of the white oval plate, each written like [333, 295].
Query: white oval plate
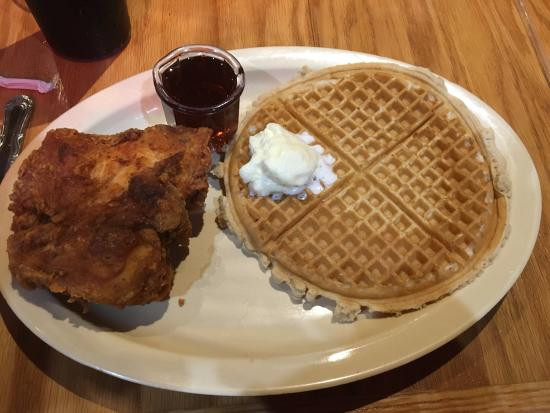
[236, 334]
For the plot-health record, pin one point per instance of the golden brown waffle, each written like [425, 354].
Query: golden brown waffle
[418, 207]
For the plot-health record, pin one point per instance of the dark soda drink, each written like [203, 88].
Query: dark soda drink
[83, 29]
[201, 86]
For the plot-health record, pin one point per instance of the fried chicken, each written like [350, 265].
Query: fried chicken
[94, 214]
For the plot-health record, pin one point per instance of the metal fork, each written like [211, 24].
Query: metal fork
[17, 113]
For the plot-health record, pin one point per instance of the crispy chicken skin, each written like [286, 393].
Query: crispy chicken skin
[93, 214]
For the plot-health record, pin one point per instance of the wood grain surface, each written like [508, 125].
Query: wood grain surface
[536, 17]
[489, 47]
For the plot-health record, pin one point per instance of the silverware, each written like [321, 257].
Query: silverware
[17, 113]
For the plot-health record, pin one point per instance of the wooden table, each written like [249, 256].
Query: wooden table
[498, 49]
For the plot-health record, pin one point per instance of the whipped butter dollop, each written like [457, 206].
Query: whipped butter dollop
[282, 162]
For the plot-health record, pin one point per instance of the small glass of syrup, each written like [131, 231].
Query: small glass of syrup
[201, 85]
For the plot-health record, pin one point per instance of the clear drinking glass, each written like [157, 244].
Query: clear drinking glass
[83, 29]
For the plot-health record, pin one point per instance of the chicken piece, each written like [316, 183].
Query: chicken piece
[94, 214]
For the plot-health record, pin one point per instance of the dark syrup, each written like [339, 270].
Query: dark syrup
[201, 84]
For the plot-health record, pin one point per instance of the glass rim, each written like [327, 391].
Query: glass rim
[197, 50]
